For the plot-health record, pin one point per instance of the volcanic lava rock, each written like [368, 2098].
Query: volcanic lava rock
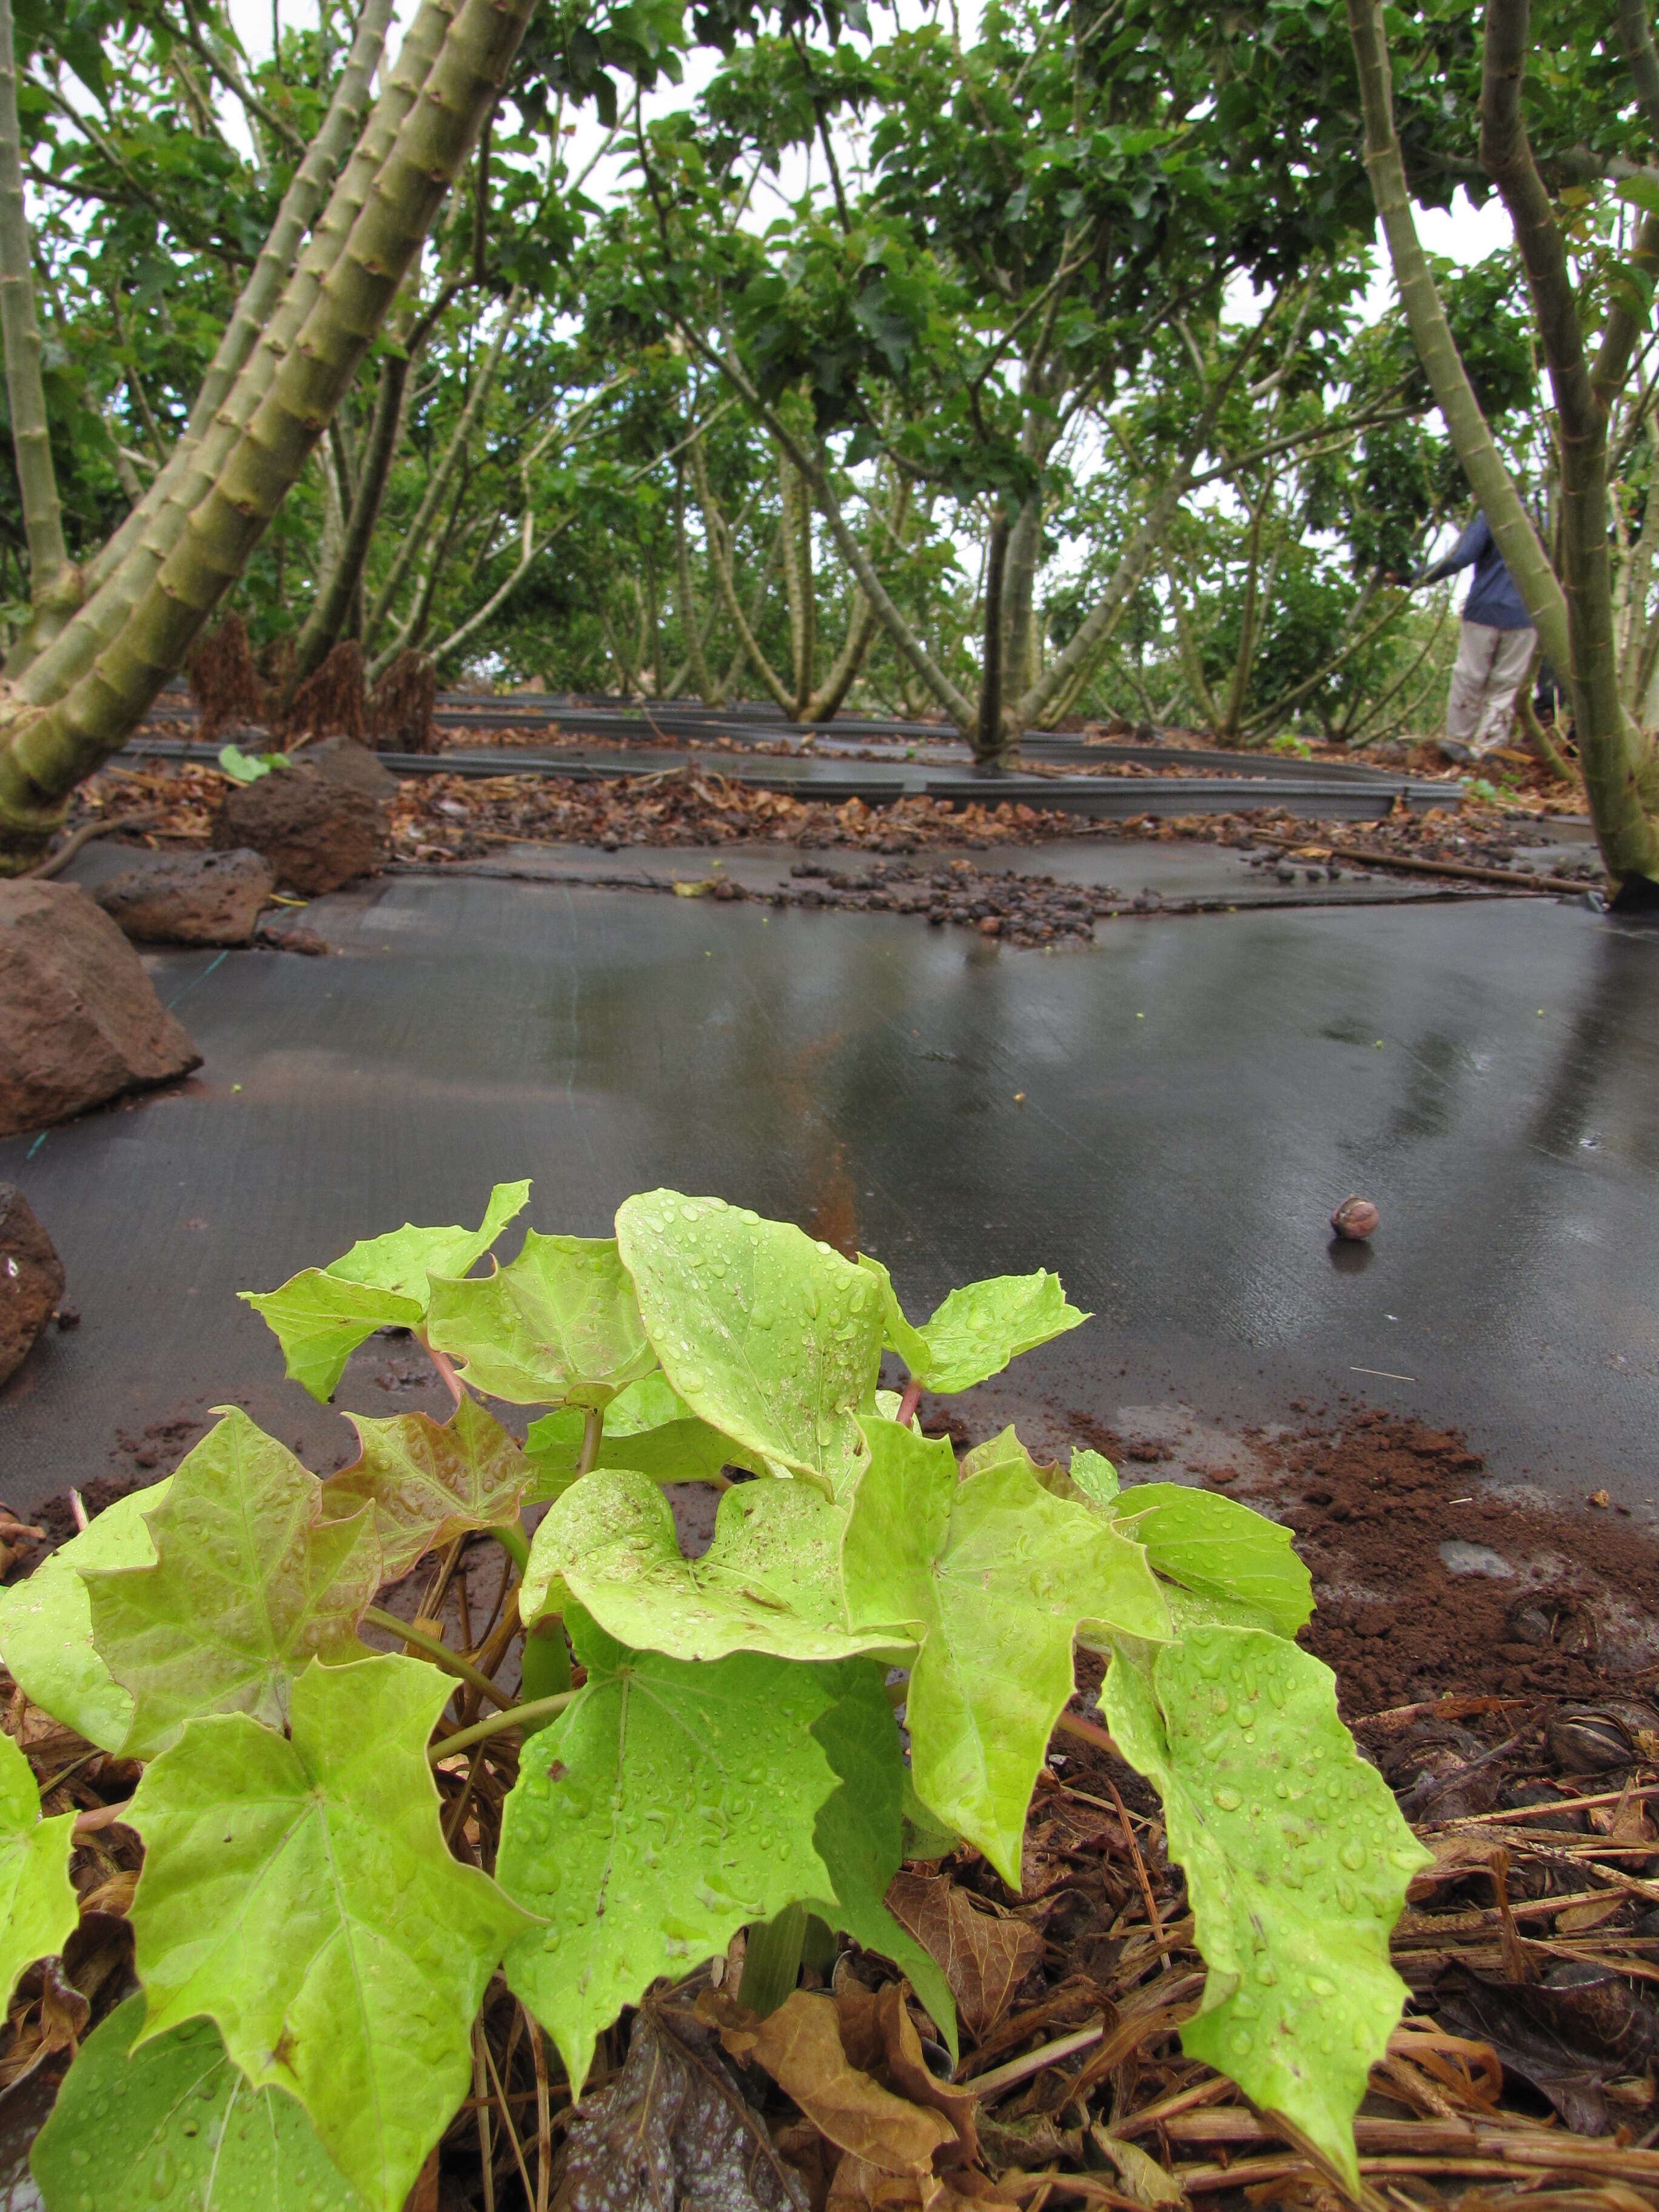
[316, 834]
[342, 760]
[31, 1279]
[190, 898]
[80, 1021]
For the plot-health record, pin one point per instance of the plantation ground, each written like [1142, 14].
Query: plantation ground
[1167, 1119]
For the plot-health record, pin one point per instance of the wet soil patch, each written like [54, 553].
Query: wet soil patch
[1431, 1577]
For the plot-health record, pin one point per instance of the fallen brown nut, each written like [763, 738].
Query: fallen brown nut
[1355, 1217]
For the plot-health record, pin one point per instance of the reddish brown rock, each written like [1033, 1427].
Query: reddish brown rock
[316, 834]
[342, 760]
[190, 898]
[31, 1279]
[80, 1021]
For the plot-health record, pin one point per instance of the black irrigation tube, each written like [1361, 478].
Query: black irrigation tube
[1313, 796]
[748, 724]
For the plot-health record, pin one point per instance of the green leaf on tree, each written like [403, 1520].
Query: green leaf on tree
[45, 1623]
[1218, 1549]
[995, 1576]
[250, 1581]
[177, 2119]
[978, 1329]
[668, 1805]
[558, 1326]
[320, 1315]
[859, 1831]
[770, 1581]
[427, 1483]
[770, 1337]
[298, 1893]
[1296, 1861]
[39, 1910]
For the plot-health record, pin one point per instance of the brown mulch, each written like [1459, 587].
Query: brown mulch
[440, 818]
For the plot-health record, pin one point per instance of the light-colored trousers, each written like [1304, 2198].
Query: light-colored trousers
[1488, 671]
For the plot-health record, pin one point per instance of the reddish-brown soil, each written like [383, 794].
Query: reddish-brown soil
[1373, 1498]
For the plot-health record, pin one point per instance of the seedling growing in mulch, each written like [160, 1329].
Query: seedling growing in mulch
[343, 1846]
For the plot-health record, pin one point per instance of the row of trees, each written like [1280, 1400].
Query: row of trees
[1052, 388]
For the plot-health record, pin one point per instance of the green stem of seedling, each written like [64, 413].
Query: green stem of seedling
[771, 1959]
[511, 1538]
[544, 1659]
[593, 1429]
[451, 1661]
[521, 1716]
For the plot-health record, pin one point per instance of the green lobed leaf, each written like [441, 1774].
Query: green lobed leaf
[426, 1483]
[897, 1333]
[45, 1623]
[668, 1805]
[559, 1325]
[647, 1404]
[39, 1910]
[770, 1581]
[679, 1451]
[319, 1321]
[1218, 1549]
[995, 1576]
[1093, 1473]
[859, 1830]
[1296, 1861]
[250, 1581]
[402, 1259]
[978, 1329]
[981, 1327]
[772, 1338]
[177, 2120]
[320, 1315]
[298, 1892]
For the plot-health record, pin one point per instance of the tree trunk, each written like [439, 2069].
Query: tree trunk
[432, 502]
[796, 510]
[263, 327]
[826, 702]
[47, 747]
[696, 661]
[1018, 596]
[1621, 774]
[990, 741]
[719, 559]
[1489, 478]
[55, 585]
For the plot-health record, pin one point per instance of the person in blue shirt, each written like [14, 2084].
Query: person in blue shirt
[1494, 649]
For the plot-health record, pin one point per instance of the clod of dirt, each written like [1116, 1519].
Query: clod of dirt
[189, 898]
[1377, 1502]
[31, 1279]
[80, 1021]
[315, 834]
[291, 937]
[1356, 1217]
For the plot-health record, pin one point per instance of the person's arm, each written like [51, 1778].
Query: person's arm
[1476, 537]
